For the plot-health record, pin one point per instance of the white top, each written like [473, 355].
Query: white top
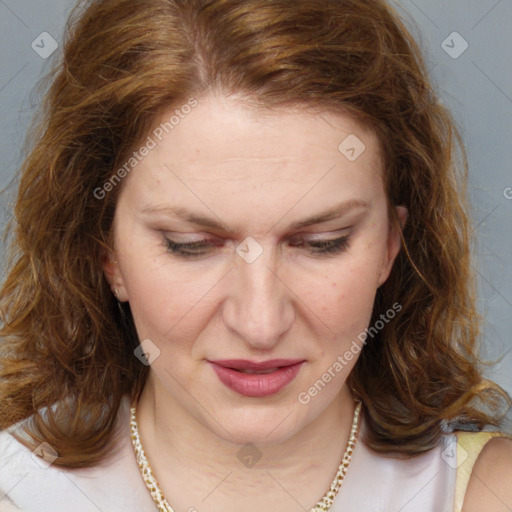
[374, 483]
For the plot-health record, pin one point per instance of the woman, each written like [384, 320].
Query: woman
[208, 305]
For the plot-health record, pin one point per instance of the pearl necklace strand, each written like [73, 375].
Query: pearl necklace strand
[163, 505]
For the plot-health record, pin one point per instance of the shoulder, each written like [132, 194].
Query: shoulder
[11, 469]
[13, 453]
[18, 465]
[32, 484]
[489, 487]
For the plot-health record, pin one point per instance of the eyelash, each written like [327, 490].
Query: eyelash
[327, 247]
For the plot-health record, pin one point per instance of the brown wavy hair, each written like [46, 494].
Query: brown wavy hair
[65, 341]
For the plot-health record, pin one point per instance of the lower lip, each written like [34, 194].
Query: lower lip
[257, 384]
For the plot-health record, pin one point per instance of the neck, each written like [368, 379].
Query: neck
[194, 465]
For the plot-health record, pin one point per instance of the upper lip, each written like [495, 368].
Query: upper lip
[244, 364]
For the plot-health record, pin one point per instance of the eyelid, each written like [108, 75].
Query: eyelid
[327, 234]
[319, 237]
[206, 243]
[324, 247]
[188, 237]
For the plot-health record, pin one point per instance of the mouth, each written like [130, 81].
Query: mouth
[257, 379]
[247, 366]
[259, 372]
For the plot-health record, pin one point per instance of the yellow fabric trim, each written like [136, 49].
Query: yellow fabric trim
[469, 446]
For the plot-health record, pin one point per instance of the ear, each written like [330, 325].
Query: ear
[113, 274]
[394, 244]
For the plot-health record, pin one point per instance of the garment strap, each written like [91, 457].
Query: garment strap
[469, 446]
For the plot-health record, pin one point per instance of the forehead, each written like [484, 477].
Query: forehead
[226, 129]
[222, 151]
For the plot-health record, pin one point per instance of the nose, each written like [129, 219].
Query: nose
[259, 307]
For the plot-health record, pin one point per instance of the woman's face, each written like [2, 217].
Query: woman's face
[259, 285]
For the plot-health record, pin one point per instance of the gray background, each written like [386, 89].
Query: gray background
[476, 85]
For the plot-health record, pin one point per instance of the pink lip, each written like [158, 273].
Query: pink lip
[245, 364]
[256, 385]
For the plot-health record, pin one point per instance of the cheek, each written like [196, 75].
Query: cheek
[167, 303]
[347, 315]
[343, 302]
[345, 293]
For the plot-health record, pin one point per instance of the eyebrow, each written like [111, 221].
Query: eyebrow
[208, 222]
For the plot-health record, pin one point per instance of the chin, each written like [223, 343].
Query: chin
[262, 428]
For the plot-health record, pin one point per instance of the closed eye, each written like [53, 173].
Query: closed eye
[202, 247]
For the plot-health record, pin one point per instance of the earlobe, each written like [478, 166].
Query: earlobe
[402, 214]
[113, 275]
[394, 244]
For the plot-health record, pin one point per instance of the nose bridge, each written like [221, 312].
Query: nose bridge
[260, 296]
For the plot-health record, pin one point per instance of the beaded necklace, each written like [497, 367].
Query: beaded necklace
[163, 505]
